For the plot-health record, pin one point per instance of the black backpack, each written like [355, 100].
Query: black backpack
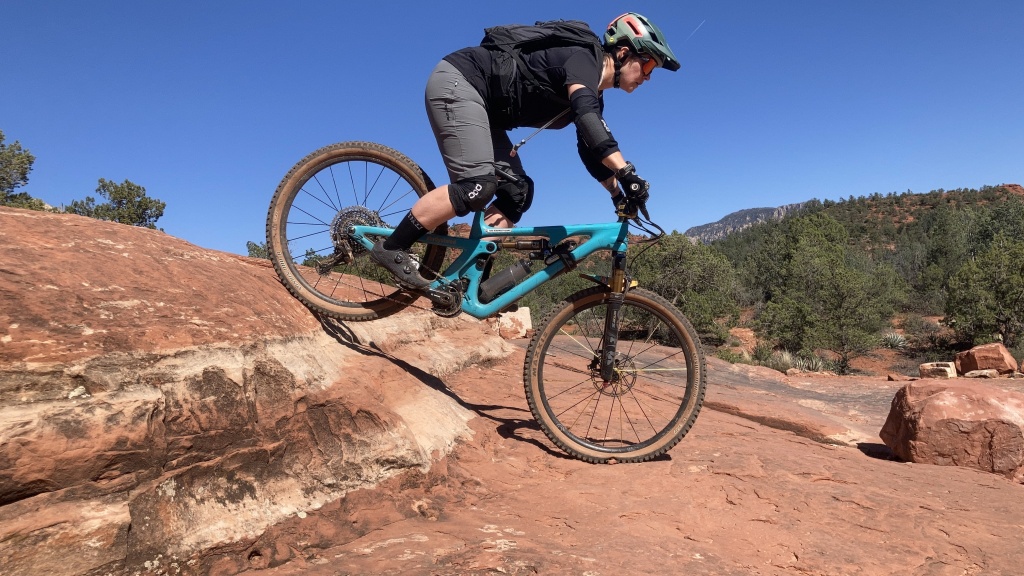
[514, 40]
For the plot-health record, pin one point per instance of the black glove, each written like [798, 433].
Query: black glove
[619, 201]
[634, 195]
[635, 187]
[625, 206]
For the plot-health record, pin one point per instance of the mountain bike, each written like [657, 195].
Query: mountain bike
[614, 373]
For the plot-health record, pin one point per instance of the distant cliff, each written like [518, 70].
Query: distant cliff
[740, 220]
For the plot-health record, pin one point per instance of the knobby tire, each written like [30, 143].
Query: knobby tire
[363, 179]
[657, 392]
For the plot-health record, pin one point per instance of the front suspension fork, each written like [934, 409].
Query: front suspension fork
[611, 319]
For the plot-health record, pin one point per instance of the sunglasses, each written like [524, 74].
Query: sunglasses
[647, 64]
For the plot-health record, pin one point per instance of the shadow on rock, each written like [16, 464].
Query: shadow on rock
[877, 451]
[508, 428]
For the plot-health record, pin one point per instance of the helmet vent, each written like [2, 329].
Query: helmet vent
[635, 26]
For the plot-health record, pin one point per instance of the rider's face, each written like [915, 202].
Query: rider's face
[636, 70]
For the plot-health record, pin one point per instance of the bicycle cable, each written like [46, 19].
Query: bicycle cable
[642, 223]
[515, 149]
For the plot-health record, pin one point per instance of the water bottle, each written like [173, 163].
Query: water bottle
[502, 281]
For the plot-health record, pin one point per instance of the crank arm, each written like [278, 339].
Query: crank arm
[438, 297]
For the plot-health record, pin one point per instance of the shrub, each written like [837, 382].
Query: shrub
[894, 341]
[762, 352]
[730, 356]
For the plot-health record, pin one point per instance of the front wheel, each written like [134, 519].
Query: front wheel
[653, 397]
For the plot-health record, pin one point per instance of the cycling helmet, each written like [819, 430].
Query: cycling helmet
[637, 32]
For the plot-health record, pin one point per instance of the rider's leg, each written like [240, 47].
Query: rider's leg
[434, 208]
[429, 212]
[496, 219]
[511, 199]
[459, 121]
[458, 118]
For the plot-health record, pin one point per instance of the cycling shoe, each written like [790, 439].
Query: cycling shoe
[402, 265]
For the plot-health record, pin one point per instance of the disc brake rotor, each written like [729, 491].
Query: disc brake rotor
[623, 379]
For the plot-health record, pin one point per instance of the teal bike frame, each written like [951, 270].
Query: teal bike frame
[607, 236]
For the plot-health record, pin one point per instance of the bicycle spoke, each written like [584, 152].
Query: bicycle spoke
[381, 207]
[582, 412]
[328, 192]
[384, 209]
[352, 180]
[310, 235]
[571, 369]
[635, 414]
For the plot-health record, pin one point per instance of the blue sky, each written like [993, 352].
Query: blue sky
[208, 104]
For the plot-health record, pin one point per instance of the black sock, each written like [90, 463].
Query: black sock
[409, 230]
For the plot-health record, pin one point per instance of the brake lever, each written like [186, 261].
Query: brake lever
[643, 210]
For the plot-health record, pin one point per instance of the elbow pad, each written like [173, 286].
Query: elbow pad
[590, 126]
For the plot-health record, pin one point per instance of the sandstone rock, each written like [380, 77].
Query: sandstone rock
[993, 356]
[65, 534]
[512, 325]
[752, 504]
[891, 377]
[182, 392]
[982, 374]
[809, 374]
[941, 370]
[977, 426]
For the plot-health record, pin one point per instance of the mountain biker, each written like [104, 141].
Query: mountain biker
[469, 115]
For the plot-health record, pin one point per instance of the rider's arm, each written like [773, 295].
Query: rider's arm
[597, 147]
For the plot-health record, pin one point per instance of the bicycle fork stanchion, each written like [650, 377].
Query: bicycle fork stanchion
[611, 320]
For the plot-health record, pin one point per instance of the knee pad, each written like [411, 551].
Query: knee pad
[514, 199]
[472, 194]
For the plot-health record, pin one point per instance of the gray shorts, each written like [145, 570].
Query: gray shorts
[458, 117]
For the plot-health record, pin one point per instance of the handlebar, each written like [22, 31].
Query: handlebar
[508, 175]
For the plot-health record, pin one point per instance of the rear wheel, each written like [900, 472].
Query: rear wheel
[351, 183]
[654, 396]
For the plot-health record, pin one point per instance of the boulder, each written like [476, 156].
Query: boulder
[515, 324]
[982, 374]
[978, 426]
[159, 400]
[993, 356]
[941, 370]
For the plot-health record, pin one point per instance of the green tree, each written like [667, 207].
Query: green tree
[697, 279]
[832, 298]
[763, 267]
[127, 203]
[15, 165]
[258, 250]
[986, 295]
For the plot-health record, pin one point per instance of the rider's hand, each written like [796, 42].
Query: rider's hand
[635, 187]
[625, 206]
[634, 195]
